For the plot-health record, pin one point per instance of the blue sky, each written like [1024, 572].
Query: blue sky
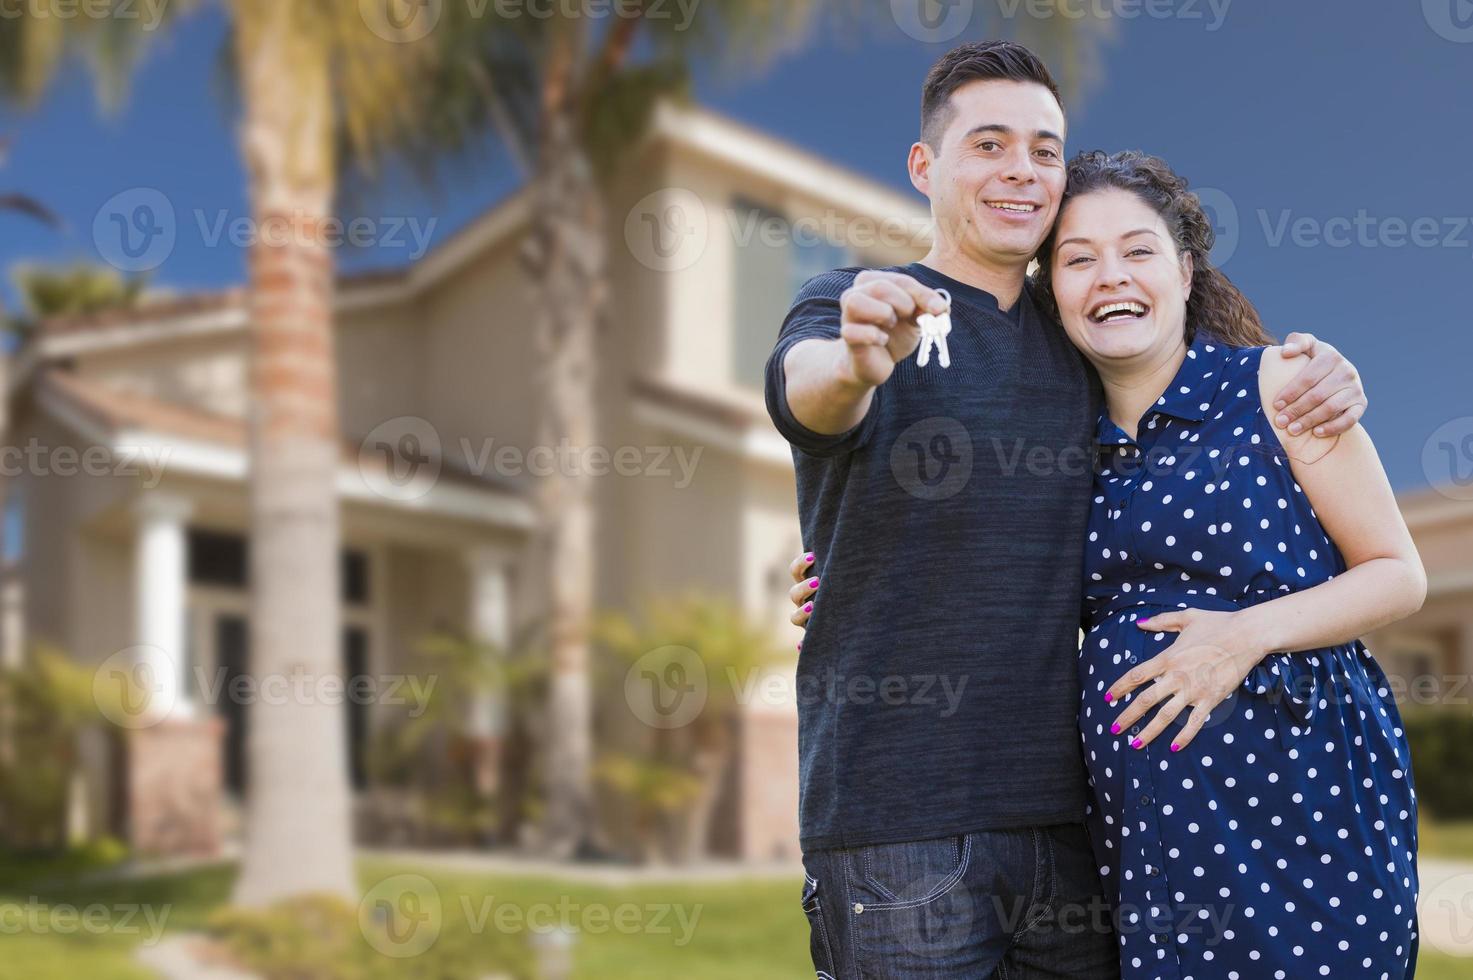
[1340, 133]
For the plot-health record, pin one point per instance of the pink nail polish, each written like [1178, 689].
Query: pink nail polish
[1136, 744]
[813, 583]
[1109, 697]
[808, 558]
[800, 646]
[1114, 729]
[1175, 747]
[808, 608]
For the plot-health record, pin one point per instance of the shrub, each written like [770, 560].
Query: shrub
[1442, 758]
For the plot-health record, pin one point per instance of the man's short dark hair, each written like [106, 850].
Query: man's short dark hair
[976, 61]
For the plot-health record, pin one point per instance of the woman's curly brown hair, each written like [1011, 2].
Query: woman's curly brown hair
[1215, 305]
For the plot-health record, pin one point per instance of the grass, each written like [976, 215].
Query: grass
[730, 931]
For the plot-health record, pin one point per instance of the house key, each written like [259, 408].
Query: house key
[934, 328]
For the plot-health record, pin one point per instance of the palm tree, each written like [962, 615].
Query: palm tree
[313, 81]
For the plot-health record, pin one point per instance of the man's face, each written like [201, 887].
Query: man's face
[997, 174]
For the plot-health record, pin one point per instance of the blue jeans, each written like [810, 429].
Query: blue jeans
[1020, 904]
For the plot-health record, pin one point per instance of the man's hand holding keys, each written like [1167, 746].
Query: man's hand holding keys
[878, 323]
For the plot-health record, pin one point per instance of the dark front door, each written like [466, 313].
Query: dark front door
[232, 645]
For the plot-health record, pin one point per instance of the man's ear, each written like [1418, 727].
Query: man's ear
[919, 166]
[1186, 274]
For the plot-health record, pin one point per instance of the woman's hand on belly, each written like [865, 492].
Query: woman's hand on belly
[1210, 657]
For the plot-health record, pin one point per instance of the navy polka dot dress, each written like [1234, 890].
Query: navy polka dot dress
[1282, 841]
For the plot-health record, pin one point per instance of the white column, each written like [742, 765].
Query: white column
[161, 579]
[489, 617]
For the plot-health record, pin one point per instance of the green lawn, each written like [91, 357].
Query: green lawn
[731, 931]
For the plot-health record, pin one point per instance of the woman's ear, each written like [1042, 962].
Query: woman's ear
[1186, 275]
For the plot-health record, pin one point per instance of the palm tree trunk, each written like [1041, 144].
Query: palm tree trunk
[566, 256]
[298, 825]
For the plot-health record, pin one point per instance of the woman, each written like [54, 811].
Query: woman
[1253, 810]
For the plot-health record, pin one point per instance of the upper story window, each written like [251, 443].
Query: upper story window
[772, 258]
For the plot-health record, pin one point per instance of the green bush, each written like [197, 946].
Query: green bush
[45, 705]
[321, 938]
[1442, 758]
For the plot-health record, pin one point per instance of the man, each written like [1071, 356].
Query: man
[942, 787]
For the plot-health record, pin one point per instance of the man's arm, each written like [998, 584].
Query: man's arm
[1325, 397]
[831, 383]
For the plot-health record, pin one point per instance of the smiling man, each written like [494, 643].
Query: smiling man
[946, 506]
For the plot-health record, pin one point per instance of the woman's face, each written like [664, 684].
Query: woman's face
[1120, 286]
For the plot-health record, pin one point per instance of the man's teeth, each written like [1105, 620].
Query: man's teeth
[1008, 206]
[1113, 309]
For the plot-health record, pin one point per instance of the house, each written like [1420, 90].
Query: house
[126, 521]
[1429, 656]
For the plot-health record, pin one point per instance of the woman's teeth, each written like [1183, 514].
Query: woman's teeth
[1117, 311]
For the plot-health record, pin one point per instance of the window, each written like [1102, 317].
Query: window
[222, 558]
[772, 260]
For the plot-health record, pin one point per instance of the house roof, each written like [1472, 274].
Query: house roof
[112, 418]
[692, 128]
